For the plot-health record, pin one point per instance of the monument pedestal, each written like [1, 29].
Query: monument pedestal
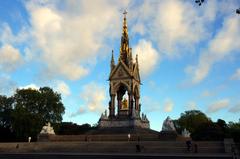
[123, 122]
[168, 135]
[46, 132]
[44, 137]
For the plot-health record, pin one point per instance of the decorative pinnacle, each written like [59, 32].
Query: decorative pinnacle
[125, 21]
[112, 56]
[125, 13]
[112, 60]
[137, 58]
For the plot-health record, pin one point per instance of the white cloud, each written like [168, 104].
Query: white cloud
[79, 112]
[168, 105]
[147, 56]
[236, 75]
[59, 86]
[63, 88]
[7, 85]
[138, 28]
[235, 109]
[31, 86]
[225, 43]
[71, 39]
[149, 105]
[218, 105]
[7, 36]
[208, 93]
[10, 58]
[176, 26]
[191, 106]
[93, 97]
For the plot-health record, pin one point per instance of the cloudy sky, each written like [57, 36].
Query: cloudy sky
[189, 55]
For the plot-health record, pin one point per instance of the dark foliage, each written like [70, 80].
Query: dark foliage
[190, 120]
[202, 128]
[208, 131]
[24, 114]
[69, 128]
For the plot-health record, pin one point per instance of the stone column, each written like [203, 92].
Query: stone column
[137, 104]
[112, 106]
[130, 106]
[119, 104]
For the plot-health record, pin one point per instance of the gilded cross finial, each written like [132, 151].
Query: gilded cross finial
[125, 21]
[125, 12]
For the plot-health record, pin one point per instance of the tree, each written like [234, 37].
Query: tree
[234, 131]
[208, 131]
[33, 108]
[51, 108]
[223, 125]
[191, 120]
[6, 107]
[69, 128]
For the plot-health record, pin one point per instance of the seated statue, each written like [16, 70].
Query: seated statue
[47, 129]
[124, 104]
[168, 125]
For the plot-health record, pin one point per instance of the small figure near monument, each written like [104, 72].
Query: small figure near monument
[195, 148]
[189, 145]
[129, 137]
[29, 139]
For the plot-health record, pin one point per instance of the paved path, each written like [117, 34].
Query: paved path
[112, 156]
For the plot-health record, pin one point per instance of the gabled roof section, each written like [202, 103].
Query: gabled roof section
[120, 71]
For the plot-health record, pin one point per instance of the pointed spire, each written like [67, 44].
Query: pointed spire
[137, 59]
[125, 31]
[112, 61]
[124, 49]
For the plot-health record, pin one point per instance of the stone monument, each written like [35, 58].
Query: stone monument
[186, 133]
[168, 125]
[124, 89]
[168, 130]
[46, 131]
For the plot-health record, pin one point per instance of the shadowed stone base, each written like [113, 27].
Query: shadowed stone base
[44, 137]
[168, 135]
[132, 123]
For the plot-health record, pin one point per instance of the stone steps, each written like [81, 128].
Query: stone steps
[111, 147]
[111, 156]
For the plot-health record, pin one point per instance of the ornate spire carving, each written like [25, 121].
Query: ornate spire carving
[130, 59]
[124, 49]
[137, 59]
[112, 62]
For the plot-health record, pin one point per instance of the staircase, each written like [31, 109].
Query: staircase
[173, 149]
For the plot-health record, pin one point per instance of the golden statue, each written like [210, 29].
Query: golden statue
[124, 104]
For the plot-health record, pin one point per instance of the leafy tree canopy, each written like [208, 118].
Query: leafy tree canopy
[29, 109]
[191, 120]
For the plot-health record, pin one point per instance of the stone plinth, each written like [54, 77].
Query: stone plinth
[46, 132]
[168, 135]
[45, 137]
[113, 123]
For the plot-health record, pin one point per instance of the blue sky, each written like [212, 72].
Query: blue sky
[188, 54]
